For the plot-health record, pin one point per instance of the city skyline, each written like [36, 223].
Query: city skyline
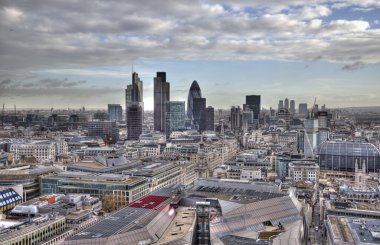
[82, 55]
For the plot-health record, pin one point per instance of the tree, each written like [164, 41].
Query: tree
[108, 203]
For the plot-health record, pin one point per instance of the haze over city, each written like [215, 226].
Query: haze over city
[80, 53]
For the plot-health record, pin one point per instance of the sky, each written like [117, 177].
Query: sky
[74, 53]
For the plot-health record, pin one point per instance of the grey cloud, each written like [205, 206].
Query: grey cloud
[354, 66]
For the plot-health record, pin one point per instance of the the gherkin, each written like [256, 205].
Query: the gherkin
[194, 92]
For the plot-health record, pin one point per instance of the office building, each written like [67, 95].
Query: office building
[247, 119]
[128, 98]
[209, 118]
[194, 92]
[280, 104]
[235, 118]
[322, 119]
[286, 105]
[342, 156]
[199, 113]
[161, 95]
[253, 102]
[124, 189]
[137, 89]
[115, 112]
[302, 110]
[134, 121]
[175, 116]
[292, 107]
[107, 130]
[304, 171]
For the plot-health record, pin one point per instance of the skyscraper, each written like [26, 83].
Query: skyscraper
[194, 92]
[199, 113]
[253, 102]
[209, 118]
[280, 104]
[135, 107]
[292, 108]
[134, 121]
[175, 116]
[128, 98]
[161, 95]
[302, 110]
[235, 118]
[115, 112]
[286, 103]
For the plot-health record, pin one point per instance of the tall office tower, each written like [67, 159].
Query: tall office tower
[292, 108]
[302, 110]
[128, 98]
[199, 113]
[175, 116]
[286, 103]
[209, 118]
[115, 112]
[194, 92]
[235, 118]
[161, 95]
[253, 103]
[322, 119]
[135, 107]
[310, 137]
[280, 104]
[137, 88]
[134, 121]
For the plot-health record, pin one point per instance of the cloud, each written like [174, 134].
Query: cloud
[354, 66]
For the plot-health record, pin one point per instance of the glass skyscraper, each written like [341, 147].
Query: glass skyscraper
[175, 116]
[161, 96]
[194, 92]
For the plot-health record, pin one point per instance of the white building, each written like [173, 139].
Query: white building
[42, 151]
[251, 174]
[304, 171]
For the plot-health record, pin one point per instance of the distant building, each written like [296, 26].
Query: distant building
[134, 121]
[107, 130]
[253, 102]
[302, 110]
[115, 112]
[235, 118]
[292, 107]
[280, 104]
[175, 116]
[99, 115]
[199, 113]
[286, 106]
[161, 95]
[209, 118]
[194, 92]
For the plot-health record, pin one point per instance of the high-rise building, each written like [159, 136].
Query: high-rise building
[115, 112]
[302, 109]
[253, 102]
[137, 88]
[280, 104]
[199, 113]
[175, 116]
[161, 95]
[286, 103]
[194, 92]
[135, 107]
[209, 118]
[235, 118]
[247, 119]
[128, 98]
[134, 121]
[292, 108]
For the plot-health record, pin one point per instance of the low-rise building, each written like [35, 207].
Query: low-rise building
[304, 171]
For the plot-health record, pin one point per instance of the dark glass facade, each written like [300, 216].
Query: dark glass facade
[253, 102]
[199, 113]
[342, 156]
[194, 92]
[161, 96]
